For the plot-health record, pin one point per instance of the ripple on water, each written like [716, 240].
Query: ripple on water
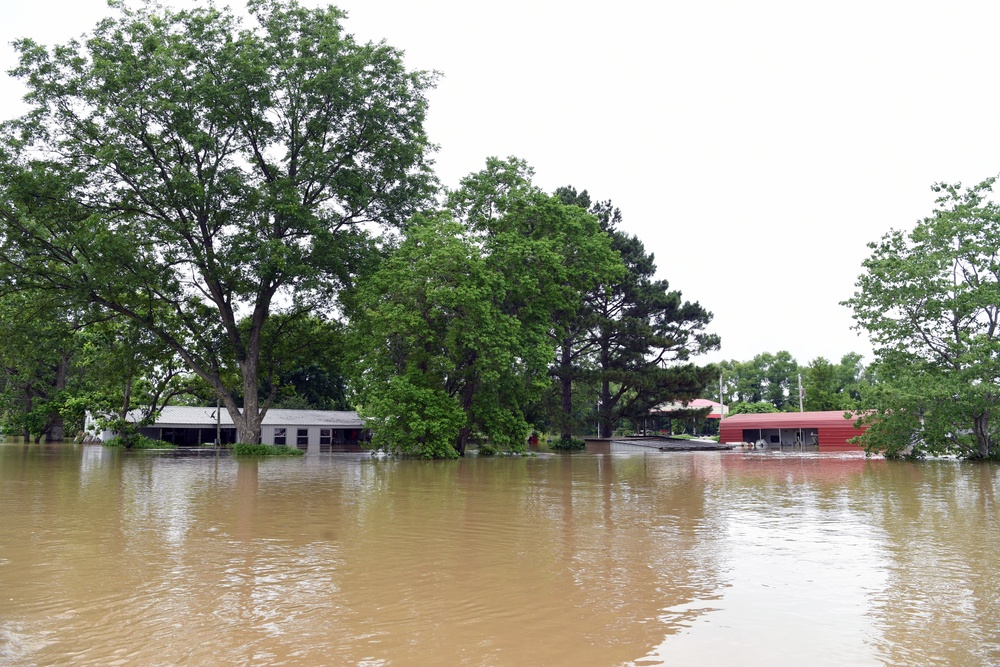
[674, 559]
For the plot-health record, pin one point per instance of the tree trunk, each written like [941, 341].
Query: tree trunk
[55, 430]
[604, 402]
[463, 440]
[27, 411]
[604, 410]
[980, 426]
[247, 421]
[468, 394]
[566, 385]
[127, 400]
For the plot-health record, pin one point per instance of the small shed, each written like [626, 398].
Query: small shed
[826, 431]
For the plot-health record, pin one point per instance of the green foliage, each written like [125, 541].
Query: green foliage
[759, 407]
[773, 378]
[820, 384]
[569, 444]
[137, 441]
[41, 361]
[453, 334]
[833, 386]
[245, 449]
[632, 336]
[407, 413]
[197, 177]
[930, 300]
[766, 377]
[133, 374]
[302, 361]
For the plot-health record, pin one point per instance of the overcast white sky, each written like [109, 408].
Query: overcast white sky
[754, 147]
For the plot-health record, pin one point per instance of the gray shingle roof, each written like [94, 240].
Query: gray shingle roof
[186, 416]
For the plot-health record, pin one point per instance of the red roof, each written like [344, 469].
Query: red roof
[790, 419]
[693, 404]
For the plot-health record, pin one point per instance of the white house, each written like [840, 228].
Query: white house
[310, 430]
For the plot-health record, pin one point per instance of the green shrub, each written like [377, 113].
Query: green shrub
[569, 444]
[488, 450]
[136, 441]
[240, 449]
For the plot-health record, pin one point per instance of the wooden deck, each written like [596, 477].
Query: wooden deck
[655, 443]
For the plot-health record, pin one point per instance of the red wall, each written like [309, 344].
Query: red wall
[834, 431]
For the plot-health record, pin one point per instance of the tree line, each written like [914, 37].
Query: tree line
[195, 209]
[775, 383]
[929, 298]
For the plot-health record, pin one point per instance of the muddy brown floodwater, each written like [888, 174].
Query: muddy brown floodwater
[725, 558]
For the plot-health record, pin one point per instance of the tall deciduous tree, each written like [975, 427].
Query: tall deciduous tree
[196, 176]
[820, 384]
[930, 300]
[457, 329]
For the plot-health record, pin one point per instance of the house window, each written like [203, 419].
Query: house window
[279, 436]
[325, 436]
[302, 438]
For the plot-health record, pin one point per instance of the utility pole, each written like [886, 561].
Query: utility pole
[722, 401]
[801, 392]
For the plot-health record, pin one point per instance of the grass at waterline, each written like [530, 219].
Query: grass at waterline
[138, 442]
[142, 442]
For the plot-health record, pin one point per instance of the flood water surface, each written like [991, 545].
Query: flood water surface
[625, 559]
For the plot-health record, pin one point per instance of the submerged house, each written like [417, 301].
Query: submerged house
[309, 430]
[825, 431]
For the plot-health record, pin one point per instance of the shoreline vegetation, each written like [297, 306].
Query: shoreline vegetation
[314, 263]
[320, 264]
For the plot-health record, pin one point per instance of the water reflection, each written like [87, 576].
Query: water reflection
[800, 562]
[940, 523]
[576, 560]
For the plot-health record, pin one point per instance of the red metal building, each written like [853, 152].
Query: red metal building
[827, 431]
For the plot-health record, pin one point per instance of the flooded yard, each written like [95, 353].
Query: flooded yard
[709, 558]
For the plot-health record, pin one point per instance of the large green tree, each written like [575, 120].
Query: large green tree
[197, 176]
[573, 367]
[766, 377]
[644, 337]
[819, 382]
[457, 329]
[632, 337]
[930, 300]
[829, 386]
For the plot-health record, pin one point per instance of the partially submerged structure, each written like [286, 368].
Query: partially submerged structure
[715, 410]
[309, 430]
[696, 411]
[826, 431]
